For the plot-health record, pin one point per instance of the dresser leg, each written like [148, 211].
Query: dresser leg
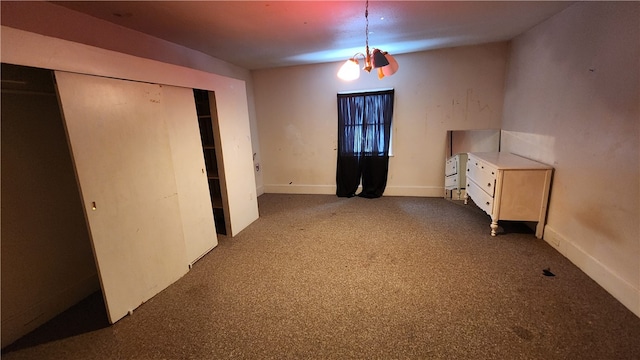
[466, 197]
[494, 227]
[539, 229]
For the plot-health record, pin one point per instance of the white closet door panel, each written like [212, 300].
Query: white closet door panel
[122, 155]
[191, 178]
[233, 136]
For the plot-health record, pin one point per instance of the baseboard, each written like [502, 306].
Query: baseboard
[418, 191]
[300, 189]
[15, 326]
[619, 288]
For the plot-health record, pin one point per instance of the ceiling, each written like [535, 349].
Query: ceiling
[266, 34]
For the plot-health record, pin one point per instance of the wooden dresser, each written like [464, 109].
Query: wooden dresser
[509, 187]
[455, 175]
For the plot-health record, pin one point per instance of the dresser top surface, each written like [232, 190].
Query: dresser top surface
[503, 160]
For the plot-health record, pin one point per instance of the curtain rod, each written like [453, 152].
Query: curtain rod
[362, 91]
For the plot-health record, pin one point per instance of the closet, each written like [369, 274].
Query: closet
[142, 180]
[207, 122]
[168, 155]
[47, 260]
[118, 185]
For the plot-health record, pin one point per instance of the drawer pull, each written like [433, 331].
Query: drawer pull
[489, 184]
[487, 203]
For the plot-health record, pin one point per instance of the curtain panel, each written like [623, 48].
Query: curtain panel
[364, 134]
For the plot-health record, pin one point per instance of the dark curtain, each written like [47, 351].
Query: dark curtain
[364, 133]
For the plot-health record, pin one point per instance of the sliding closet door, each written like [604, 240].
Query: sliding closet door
[122, 155]
[191, 177]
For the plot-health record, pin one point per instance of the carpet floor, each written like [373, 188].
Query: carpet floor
[321, 277]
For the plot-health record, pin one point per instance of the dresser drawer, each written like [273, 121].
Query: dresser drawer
[479, 197]
[483, 175]
[451, 166]
[451, 182]
[455, 175]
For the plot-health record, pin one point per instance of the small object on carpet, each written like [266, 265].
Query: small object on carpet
[547, 272]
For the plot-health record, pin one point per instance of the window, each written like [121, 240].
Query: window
[364, 138]
[364, 123]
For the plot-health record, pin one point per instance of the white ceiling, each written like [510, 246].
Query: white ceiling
[265, 34]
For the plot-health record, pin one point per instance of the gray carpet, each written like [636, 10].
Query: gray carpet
[321, 277]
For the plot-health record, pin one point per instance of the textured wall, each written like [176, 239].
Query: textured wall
[572, 101]
[436, 91]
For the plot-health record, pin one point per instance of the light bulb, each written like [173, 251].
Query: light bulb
[349, 71]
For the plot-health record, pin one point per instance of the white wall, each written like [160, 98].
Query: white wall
[45, 18]
[572, 101]
[435, 91]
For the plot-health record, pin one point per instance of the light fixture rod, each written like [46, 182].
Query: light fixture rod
[366, 28]
[380, 60]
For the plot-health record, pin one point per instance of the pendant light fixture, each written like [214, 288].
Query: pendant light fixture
[385, 64]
